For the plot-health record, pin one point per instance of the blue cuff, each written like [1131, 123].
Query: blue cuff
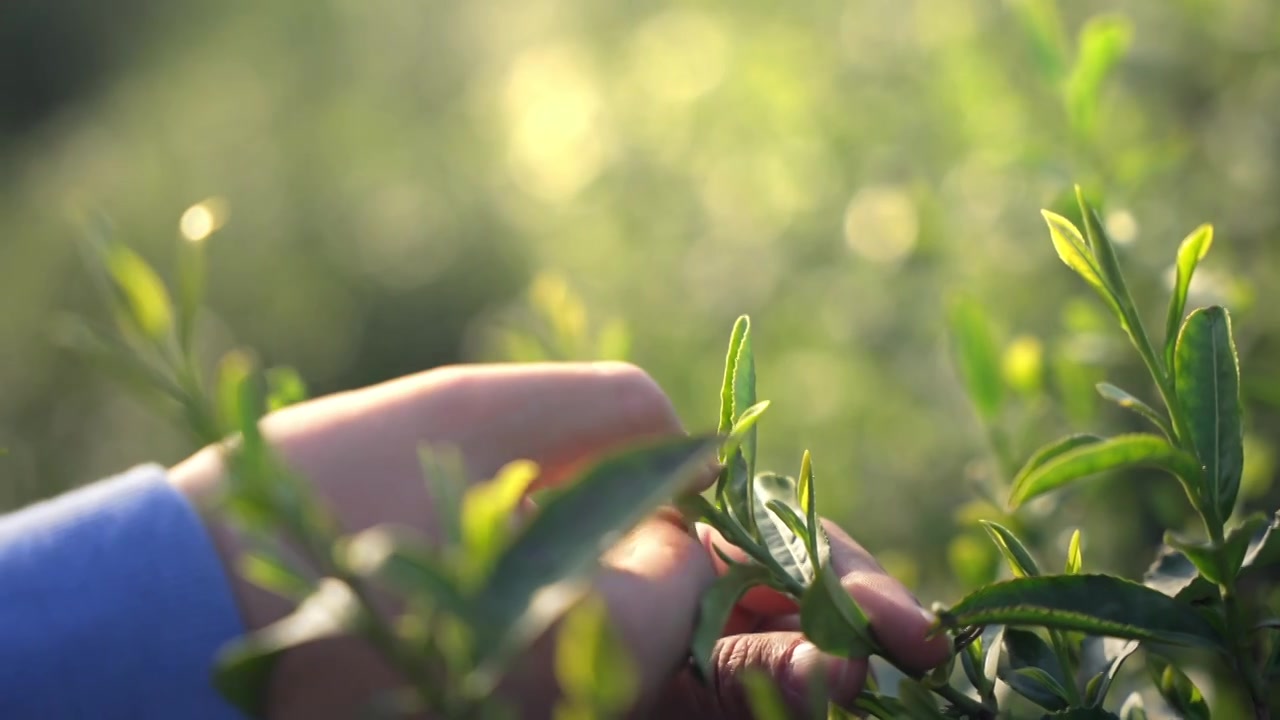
[113, 604]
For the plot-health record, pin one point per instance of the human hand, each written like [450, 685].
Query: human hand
[359, 451]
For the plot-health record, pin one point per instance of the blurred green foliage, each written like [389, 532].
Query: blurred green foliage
[390, 186]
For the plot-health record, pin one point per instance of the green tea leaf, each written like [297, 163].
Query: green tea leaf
[1030, 667]
[918, 701]
[717, 605]
[744, 394]
[1129, 402]
[489, 514]
[1039, 687]
[1177, 689]
[1075, 561]
[244, 666]
[1043, 26]
[399, 563]
[880, 706]
[1190, 253]
[1207, 382]
[727, 397]
[144, 293]
[1104, 254]
[285, 387]
[1075, 254]
[1265, 549]
[978, 356]
[734, 487]
[775, 495]
[832, 620]
[1121, 452]
[809, 506]
[1239, 540]
[1014, 551]
[1104, 39]
[594, 667]
[1052, 451]
[1115, 653]
[564, 540]
[763, 696]
[272, 573]
[1091, 604]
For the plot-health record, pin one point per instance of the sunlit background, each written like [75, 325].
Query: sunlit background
[384, 187]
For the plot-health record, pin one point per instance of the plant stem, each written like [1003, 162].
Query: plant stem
[1068, 667]
[971, 707]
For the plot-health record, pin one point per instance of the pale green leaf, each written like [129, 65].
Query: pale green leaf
[1193, 249]
[977, 356]
[1075, 560]
[1127, 401]
[832, 620]
[1122, 452]
[1015, 552]
[594, 667]
[144, 293]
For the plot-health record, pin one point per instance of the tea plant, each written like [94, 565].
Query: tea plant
[1036, 645]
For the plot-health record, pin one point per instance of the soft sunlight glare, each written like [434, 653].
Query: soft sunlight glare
[203, 219]
[880, 224]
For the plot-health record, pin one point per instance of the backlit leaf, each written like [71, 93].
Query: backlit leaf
[1075, 561]
[1193, 249]
[1121, 452]
[1053, 450]
[285, 387]
[144, 293]
[1073, 251]
[778, 532]
[1177, 689]
[809, 506]
[763, 696]
[727, 413]
[1091, 604]
[1207, 381]
[1017, 555]
[564, 540]
[1103, 41]
[489, 514]
[716, 606]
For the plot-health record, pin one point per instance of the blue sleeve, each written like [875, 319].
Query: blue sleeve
[113, 604]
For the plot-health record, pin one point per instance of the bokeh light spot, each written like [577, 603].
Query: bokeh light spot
[203, 219]
[881, 225]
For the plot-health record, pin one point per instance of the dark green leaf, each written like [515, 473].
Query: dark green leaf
[1017, 555]
[1121, 452]
[832, 621]
[1081, 713]
[1240, 540]
[1091, 604]
[734, 488]
[1037, 686]
[1030, 667]
[1201, 554]
[783, 535]
[594, 668]
[1177, 689]
[880, 706]
[1129, 402]
[567, 536]
[1207, 380]
[717, 605]
[244, 666]
[977, 356]
[1190, 253]
[918, 701]
[1265, 549]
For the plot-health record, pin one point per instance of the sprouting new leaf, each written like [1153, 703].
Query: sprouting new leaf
[1104, 254]
[567, 536]
[727, 415]
[1127, 401]
[782, 532]
[733, 487]
[744, 394]
[977, 356]
[1073, 251]
[832, 621]
[1075, 561]
[1091, 604]
[489, 513]
[144, 293]
[1014, 551]
[1177, 689]
[717, 605]
[1207, 382]
[594, 668]
[1190, 253]
[1121, 452]
[809, 505]
[243, 668]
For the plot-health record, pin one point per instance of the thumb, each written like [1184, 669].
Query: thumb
[793, 663]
